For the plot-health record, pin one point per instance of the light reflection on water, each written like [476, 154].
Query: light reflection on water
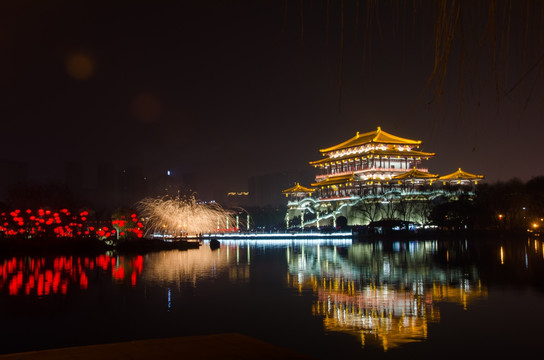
[43, 276]
[191, 266]
[385, 297]
[382, 295]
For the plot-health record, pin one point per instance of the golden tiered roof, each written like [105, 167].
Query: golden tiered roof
[298, 189]
[415, 174]
[377, 136]
[461, 175]
[391, 153]
[334, 180]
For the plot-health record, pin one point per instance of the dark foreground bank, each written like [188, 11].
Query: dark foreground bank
[14, 246]
[223, 346]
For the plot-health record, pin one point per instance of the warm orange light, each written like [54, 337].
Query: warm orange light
[79, 66]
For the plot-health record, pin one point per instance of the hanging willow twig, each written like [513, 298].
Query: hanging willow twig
[486, 39]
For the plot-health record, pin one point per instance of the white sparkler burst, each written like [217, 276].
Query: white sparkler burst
[183, 216]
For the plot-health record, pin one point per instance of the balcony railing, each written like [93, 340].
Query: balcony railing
[365, 171]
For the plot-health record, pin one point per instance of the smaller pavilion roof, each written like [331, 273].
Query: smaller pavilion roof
[415, 174]
[376, 136]
[461, 175]
[298, 189]
[333, 180]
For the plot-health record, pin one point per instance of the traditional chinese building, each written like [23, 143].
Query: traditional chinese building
[373, 176]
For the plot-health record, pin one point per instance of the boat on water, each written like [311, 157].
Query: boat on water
[214, 244]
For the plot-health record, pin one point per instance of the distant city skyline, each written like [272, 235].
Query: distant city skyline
[105, 186]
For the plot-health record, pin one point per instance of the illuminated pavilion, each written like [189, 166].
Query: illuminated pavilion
[373, 176]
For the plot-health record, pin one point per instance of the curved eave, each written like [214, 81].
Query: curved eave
[298, 189]
[377, 136]
[415, 174]
[461, 175]
[335, 180]
[391, 153]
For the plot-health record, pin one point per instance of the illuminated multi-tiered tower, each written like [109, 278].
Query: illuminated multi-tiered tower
[379, 175]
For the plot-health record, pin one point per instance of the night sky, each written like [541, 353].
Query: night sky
[231, 89]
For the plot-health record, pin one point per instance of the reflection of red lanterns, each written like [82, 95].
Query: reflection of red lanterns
[83, 281]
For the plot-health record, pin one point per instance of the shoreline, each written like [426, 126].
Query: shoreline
[15, 246]
[87, 245]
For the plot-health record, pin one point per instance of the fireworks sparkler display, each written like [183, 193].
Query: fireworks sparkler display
[183, 216]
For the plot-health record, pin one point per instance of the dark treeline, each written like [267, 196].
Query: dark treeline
[513, 205]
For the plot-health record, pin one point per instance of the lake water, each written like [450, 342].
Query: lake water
[447, 298]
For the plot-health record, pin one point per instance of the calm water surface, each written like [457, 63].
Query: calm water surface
[323, 298]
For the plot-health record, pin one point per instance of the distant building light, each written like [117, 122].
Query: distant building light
[240, 193]
[168, 172]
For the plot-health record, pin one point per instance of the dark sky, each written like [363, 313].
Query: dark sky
[230, 89]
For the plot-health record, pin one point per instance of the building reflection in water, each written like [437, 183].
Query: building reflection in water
[388, 297]
[384, 293]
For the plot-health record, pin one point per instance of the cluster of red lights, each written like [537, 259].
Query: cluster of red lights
[129, 227]
[41, 276]
[62, 224]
